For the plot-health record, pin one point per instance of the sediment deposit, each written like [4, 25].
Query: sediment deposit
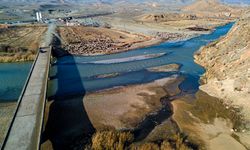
[126, 107]
[93, 41]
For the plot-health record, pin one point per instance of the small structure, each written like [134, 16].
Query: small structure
[39, 16]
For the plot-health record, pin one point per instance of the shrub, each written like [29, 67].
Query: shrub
[111, 140]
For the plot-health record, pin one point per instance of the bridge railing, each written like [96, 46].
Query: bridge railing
[41, 107]
[19, 100]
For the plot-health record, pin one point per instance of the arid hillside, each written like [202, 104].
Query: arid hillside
[227, 76]
[20, 43]
[205, 13]
[186, 22]
[192, 19]
[213, 8]
[167, 17]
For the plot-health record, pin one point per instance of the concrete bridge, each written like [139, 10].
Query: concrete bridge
[25, 129]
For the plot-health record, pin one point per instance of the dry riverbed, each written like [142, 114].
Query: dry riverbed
[125, 107]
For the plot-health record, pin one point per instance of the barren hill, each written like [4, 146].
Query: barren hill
[227, 76]
[212, 8]
[166, 17]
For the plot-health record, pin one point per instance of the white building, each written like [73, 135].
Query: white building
[39, 16]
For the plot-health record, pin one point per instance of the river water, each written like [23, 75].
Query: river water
[72, 76]
[69, 72]
[12, 79]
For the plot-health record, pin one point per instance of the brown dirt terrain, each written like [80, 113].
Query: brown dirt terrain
[188, 23]
[3, 26]
[227, 63]
[93, 41]
[213, 9]
[20, 43]
[125, 107]
[6, 113]
[205, 14]
[200, 17]
[208, 121]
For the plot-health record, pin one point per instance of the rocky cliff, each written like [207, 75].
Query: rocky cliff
[227, 64]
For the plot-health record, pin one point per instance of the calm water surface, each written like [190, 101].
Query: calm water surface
[12, 79]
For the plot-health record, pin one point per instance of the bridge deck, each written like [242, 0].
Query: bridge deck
[26, 128]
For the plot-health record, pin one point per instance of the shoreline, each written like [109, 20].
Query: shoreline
[230, 82]
[128, 59]
[11, 60]
[208, 121]
[155, 41]
[145, 44]
[110, 109]
[76, 49]
[140, 102]
[137, 45]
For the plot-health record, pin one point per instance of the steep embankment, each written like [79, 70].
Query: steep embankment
[227, 76]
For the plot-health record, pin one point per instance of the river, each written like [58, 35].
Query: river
[70, 70]
[71, 77]
[12, 79]
[76, 75]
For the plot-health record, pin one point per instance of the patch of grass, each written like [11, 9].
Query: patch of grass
[6, 58]
[20, 43]
[207, 108]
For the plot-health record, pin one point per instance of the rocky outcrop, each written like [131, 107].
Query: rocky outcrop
[227, 64]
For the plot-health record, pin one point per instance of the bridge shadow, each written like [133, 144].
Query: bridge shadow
[68, 125]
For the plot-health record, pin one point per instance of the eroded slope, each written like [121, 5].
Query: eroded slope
[227, 76]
